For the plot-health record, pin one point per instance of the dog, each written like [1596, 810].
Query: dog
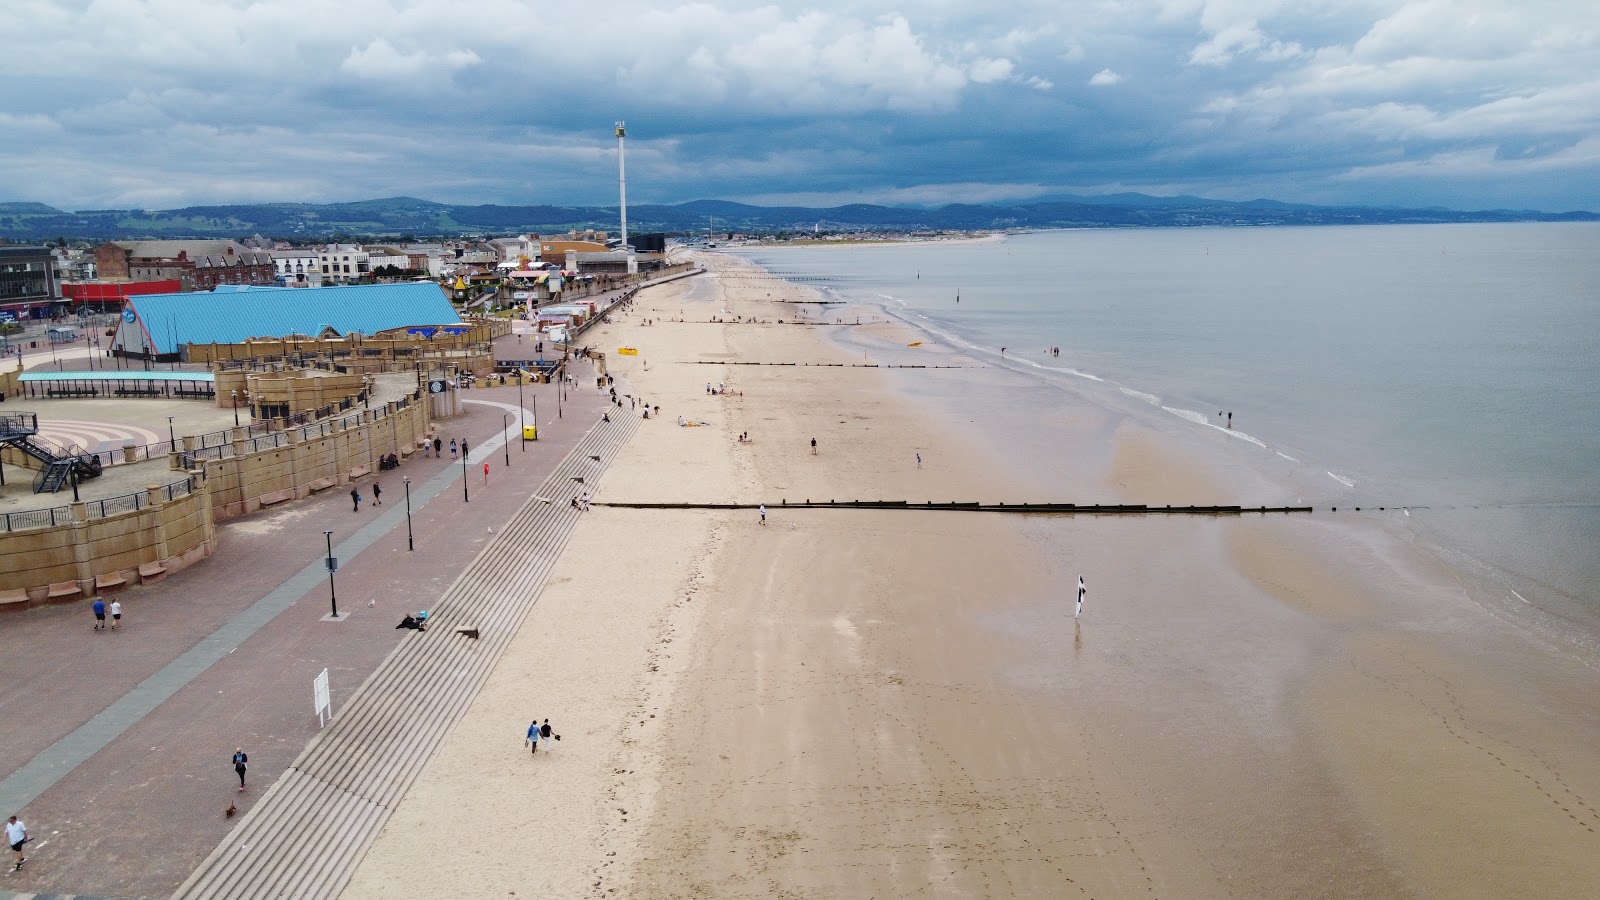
[231, 811]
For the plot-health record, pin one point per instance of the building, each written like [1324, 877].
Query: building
[343, 263]
[298, 267]
[197, 265]
[381, 257]
[159, 325]
[556, 250]
[28, 284]
[519, 249]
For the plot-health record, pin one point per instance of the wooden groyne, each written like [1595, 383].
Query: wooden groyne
[1118, 509]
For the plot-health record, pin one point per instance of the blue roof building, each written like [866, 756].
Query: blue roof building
[161, 324]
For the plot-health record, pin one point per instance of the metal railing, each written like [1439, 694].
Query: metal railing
[57, 516]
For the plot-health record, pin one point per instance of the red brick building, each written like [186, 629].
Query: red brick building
[197, 265]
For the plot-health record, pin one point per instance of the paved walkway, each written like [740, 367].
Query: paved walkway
[308, 834]
[210, 658]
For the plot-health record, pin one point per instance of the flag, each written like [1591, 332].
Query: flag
[1081, 591]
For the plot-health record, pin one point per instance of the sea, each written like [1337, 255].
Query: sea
[1452, 370]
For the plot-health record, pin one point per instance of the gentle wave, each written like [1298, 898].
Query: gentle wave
[1148, 398]
[1342, 480]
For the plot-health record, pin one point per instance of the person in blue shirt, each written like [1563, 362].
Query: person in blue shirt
[99, 615]
[532, 737]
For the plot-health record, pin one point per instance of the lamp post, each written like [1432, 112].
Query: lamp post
[235, 408]
[464, 497]
[522, 417]
[74, 471]
[333, 598]
[411, 541]
[505, 426]
[172, 435]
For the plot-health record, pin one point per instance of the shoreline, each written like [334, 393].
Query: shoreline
[843, 703]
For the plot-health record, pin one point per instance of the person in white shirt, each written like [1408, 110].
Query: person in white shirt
[16, 836]
[116, 614]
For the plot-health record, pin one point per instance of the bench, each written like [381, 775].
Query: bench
[13, 601]
[137, 392]
[321, 484]
[73, 392]
[151, 572]
[107, 583]
[359, 471]
[191, 392]
[276, 497]
[63, 591]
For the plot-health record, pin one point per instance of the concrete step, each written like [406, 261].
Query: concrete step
[308, 833]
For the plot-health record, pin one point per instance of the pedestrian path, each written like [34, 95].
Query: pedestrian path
[45, 770]
[310, 830]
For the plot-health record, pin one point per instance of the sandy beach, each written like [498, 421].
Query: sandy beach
[873, 703]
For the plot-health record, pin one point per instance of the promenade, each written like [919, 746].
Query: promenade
[117, 754]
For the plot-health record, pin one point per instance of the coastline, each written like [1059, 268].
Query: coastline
[846, 703]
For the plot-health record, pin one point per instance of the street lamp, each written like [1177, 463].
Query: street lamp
[235, 408]
[464, 497]
[505, 425]
[411, 542]
[172, 435]
[333, 598]
[522, 417]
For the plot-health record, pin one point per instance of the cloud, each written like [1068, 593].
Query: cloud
[1374, 101]
[380, 60]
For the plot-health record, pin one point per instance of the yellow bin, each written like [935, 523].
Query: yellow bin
[530, 432]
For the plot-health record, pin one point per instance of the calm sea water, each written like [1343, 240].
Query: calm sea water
[1452, 367]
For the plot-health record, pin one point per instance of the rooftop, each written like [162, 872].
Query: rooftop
[244, 312]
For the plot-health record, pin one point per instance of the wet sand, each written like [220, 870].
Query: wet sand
[882, 703]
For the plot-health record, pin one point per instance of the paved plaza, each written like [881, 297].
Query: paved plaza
[117, 754]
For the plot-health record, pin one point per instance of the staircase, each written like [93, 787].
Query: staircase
[309, 832]
[21, 430]
[54, 477]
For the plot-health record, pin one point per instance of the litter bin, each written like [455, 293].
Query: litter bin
[530, 432]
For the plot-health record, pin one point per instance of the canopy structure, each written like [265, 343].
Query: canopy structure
[114, 383]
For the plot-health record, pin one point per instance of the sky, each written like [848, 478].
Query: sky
[154, 104]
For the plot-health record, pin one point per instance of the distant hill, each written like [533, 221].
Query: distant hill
[409, 216]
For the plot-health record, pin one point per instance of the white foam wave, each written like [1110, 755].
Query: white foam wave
[1191, 415]
[1342, 480]
[1200, 418]
[1148, 398]
[1285, 456]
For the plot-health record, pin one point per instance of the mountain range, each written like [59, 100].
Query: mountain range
[25, 222]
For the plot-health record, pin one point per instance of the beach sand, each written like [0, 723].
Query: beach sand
[881, 703]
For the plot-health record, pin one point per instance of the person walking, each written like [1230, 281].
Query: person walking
[763, 514]
[239, 760]
[548, 735]
[452, 448]
[99, 615]
[532, 737]
[355, 499]
[438, 448]
[16, 836]
[813, 446]
[919, 459]
[1081, 591]
[377, 494]
[116, 614]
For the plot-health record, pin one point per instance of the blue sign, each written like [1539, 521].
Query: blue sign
[128, 315]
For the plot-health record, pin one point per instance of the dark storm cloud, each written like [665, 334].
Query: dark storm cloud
[161, 103]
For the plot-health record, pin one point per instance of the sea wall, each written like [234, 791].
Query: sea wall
[172, 529]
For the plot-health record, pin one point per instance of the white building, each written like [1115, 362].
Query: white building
[512, 249]
[342, 263]
[300, 267]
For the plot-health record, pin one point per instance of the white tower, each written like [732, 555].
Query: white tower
[622, 189]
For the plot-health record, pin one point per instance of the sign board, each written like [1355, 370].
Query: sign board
[333, 563]
[437, 386]
[320, 699]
